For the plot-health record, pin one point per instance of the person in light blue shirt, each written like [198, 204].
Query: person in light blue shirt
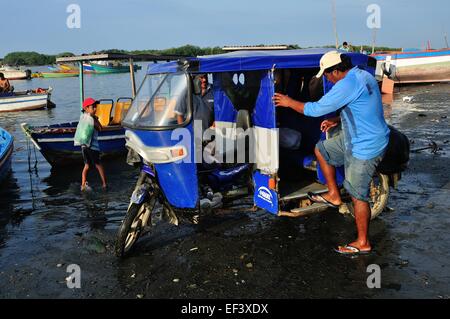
[345, 47]
[359, 147]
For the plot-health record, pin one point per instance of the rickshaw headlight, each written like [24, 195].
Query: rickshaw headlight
[177, 152]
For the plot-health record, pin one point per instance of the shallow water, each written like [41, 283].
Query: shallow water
[46, 221]
[38, 196]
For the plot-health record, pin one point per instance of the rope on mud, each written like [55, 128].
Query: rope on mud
[29, 157]
[35, 159]
[432, 145]
[33, 205]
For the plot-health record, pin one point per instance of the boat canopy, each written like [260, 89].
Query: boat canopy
[117, 56]
[257, 60]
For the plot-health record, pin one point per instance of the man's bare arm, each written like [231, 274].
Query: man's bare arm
[281, 100]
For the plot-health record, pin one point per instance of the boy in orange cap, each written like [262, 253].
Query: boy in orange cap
[91, 153]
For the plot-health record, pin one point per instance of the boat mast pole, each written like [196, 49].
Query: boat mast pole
[333, 8]
[133, 81]
[80, 64]
[374, 38]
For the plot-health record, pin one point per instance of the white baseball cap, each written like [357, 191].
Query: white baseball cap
[328, 60]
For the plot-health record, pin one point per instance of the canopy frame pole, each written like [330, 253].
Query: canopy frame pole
[81, 75]
[133, 80]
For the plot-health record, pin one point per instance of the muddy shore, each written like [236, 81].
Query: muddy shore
[250, 255]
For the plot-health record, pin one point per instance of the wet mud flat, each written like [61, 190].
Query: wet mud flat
[237, 255]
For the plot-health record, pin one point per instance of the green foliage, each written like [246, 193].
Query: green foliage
[368, 48]
[186, 50]
[34, 58]
[65, 54]
[28, 58]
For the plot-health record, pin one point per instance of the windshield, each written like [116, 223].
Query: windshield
[155, 105]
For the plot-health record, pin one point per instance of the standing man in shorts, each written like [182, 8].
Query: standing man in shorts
[91, 153]
[359, 147]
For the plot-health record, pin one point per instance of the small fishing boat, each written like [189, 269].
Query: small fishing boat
[56, 142]
[414, 66]
[12, 73]
[68, 67]
[59, 74]
[87, 68]
[112, 67]
[6, 150]
[26, 100]
[53, 68]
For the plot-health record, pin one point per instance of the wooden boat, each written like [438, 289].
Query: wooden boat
[6, 150]
[87, 68]
[112, 67]
[26, 100]
[68, 68]
[59, 74]
[56, 142]
[11, 73]
[414, 66]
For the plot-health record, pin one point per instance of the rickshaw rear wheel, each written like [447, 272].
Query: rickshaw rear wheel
[379, 195]
[135, 220]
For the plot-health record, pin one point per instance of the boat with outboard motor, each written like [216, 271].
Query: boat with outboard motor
[26, 100]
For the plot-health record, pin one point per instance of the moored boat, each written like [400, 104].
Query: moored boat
[414, 66]
[112, 67]
[26, 100]
[68, 67]
[6, 150]
[58, 74]
[87, 68]
[56, 142]
[11, 73]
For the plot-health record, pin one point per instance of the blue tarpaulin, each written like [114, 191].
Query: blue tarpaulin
[257, 60]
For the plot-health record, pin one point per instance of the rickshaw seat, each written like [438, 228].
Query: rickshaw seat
[103, 113]
[308, 160]
[297, 157]
[243, 120]
[120, 111]
[243, 123]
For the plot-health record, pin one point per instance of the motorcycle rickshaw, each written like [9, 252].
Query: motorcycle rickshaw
[249, 138]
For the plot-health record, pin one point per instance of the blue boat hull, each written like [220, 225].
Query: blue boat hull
[56, 143]
[6, 150]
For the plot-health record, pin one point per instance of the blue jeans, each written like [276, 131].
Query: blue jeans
[358, 172]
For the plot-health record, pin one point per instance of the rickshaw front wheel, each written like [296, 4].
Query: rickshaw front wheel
[379, 195]
[136, 219]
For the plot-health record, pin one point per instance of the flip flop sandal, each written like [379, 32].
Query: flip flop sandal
[353, 251]
[321, 201]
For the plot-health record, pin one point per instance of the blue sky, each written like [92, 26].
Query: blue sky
[157, 24]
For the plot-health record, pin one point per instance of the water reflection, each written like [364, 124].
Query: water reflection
[9, 194]
[53, 195]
